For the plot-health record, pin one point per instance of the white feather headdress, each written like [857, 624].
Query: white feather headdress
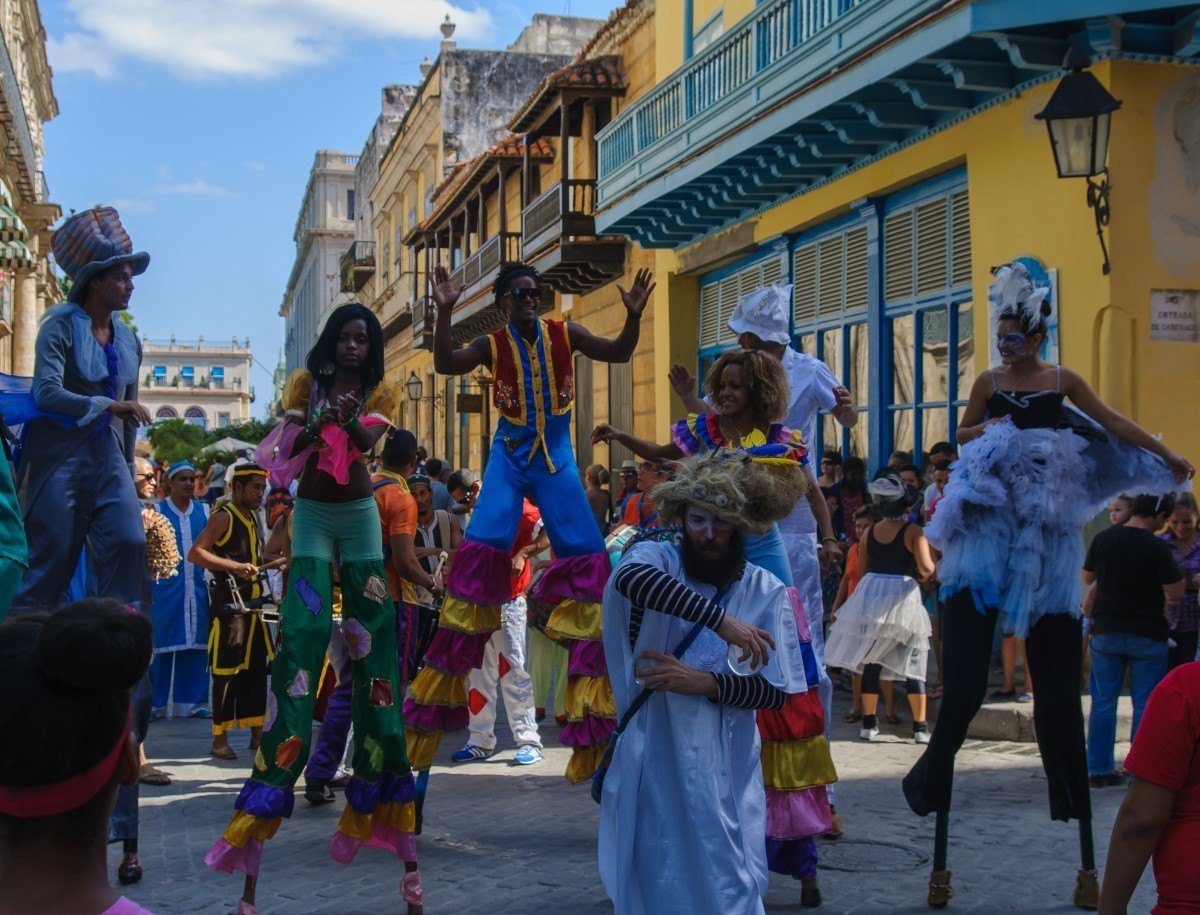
[1013, 290]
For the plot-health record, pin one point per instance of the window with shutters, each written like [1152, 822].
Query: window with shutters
[620, 408]
[584, 414]
[928, 315]
[830, 299]
[718, 299]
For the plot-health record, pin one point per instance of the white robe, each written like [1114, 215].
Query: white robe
[683, 813]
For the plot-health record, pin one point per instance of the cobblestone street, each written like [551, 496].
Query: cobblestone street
[499, 838]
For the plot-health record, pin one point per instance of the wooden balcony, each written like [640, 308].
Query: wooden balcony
[357, 265]
[423, 316]
[559, 239]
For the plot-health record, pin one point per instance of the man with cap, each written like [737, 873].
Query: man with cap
[180, 611]
[762, 321]
[74, 482]
[628, 474]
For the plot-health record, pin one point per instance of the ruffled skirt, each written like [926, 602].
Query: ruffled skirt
[884, 622]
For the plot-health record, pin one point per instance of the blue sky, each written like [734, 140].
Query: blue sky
[199, 119]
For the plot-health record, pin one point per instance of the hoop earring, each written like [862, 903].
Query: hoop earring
[325, 369]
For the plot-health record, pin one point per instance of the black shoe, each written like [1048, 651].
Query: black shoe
[1112, 780]
[317, 792]
[810, 893]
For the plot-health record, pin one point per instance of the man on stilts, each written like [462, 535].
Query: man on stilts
[531, 361]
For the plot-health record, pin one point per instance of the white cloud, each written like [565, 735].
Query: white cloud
[134, 205]
[256, 39]
[198, 188]
[255, 166]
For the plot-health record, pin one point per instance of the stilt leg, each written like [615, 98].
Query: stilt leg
[410, 889]
[422, 784]
[940, 892]
[246, 903]
[1087, 881]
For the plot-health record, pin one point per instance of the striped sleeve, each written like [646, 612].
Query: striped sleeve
[649, 588]
[748, 692]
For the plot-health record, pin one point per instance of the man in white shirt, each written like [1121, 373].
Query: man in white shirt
[762, 321]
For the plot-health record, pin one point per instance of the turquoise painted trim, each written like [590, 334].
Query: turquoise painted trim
[689, 32]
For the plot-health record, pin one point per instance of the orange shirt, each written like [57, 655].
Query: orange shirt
[853, 572]
[397, 515]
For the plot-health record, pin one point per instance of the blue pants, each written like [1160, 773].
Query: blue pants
[767, 551]
[189, 667]
[559, 496]
[1112, 655]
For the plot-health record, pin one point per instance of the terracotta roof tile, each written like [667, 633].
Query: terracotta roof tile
[462, 174]
[594, 73]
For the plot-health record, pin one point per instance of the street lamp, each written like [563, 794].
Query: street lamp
[415, 387]
[1079, 118]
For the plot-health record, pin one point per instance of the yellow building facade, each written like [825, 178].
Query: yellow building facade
[886, 181]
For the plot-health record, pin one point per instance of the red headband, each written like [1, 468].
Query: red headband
[51, 800]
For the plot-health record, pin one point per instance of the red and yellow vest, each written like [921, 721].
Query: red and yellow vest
[512, 360]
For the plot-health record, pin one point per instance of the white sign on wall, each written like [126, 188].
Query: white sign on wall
[1175, 315]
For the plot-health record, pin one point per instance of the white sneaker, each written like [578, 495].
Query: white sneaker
[921, 736]
[868, 733]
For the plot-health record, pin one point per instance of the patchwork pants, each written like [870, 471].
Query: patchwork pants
[503, 673]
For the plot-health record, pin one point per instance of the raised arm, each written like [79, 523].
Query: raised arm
[605, 433]
[621, 349]
[446, 359]
[683, 382]
[1121, 426]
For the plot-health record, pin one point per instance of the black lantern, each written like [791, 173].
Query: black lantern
[415, 387]
[1079, 119]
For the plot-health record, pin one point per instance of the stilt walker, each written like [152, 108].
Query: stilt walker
[531, 361]
[336, 410]
[1032, 472]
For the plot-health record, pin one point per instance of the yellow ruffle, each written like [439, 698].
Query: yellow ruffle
[421, 747]
[354, 824]
[574, 619]
[397, 815]
[432, 687]
[583, 762]
[590, 694]
[790, 764]
[246, 826]
[467, 617]
[239, 723]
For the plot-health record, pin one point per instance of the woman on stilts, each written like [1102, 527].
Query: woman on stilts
[336, 409]
[749, 394]
[1032, 471]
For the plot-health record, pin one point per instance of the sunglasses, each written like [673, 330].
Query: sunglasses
[526, 294]
[652, 468]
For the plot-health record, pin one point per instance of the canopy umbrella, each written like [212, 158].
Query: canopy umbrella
[228, 444]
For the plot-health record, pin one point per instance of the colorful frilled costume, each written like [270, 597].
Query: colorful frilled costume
[796, 761]
[379, 798]
[531, 454]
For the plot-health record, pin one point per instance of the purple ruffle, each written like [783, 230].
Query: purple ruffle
[793, 857]
[435, 717]
[365, 796]
[265, 801]
[572, 578]
[588, 732]
[481, 574]
[456, 653]
[586, 659]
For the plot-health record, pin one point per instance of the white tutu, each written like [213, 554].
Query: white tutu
[884, 622]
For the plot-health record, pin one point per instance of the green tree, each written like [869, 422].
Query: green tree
[252, 431]
[175, 440]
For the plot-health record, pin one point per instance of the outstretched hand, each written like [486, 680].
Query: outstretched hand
[683, 382]
[755, 643]
[603, 434]
[636, 297]
[445, 293]
[1179, 466]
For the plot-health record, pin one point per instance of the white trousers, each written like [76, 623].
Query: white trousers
[806, 575]
[503, 670]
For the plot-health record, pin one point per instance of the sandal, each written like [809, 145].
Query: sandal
[148, 775]
[810, 893]
[852, 718]
[130, 871]
[225, 752]
[935, 693]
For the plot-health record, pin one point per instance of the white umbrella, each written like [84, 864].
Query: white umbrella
[228, 444]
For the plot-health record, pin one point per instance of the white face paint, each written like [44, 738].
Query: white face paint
[703, 524]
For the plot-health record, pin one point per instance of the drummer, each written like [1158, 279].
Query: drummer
[239, 645]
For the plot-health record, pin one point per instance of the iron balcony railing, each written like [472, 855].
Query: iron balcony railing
[357, 265]
[481, 266]
[14, 115]
[761, 41]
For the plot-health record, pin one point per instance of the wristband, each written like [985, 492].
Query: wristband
[833, 540]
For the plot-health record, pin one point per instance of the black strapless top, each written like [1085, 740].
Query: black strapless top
[1028, 409]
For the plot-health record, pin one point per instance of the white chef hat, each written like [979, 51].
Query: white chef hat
[764, 312]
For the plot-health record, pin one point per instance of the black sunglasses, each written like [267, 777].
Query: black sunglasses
[526, 294]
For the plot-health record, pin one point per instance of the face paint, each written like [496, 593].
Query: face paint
[702, 523]
[1012, 345]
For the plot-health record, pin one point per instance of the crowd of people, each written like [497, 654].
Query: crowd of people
[680, 626]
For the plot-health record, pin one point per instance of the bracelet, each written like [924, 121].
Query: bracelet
[830, 540]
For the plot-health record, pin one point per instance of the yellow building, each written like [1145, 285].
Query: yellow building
[531, 197]
[883, 156]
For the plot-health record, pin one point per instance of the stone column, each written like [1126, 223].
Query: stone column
[25, 321]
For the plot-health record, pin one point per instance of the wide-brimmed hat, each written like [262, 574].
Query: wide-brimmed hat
[92, 241]
[764, 312]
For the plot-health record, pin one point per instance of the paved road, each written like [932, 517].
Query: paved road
[500, 839]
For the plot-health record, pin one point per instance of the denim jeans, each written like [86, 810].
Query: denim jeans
[1112, 653]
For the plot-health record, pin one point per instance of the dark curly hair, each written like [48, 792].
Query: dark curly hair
[324, 350]
[509, 272]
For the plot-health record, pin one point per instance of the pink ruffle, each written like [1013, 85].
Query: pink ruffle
[435, 717]
[586, 659]
[798, 814]
[572, 578]
[588, 732]
[481, 574]
[403, 845]
[456, 653]
[802, 630]
[274, 454]
[229, 858]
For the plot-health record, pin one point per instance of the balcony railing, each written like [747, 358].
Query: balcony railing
[479, 269]
[568, 208]
[357, 265]
[762, 41]
[422, 323]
